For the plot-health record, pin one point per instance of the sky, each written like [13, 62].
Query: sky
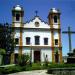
[66, 7]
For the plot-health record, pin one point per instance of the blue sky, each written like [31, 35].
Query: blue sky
[67, 8]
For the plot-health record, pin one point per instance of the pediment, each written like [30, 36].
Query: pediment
[36, 23]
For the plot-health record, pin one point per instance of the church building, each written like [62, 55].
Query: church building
[38, 39]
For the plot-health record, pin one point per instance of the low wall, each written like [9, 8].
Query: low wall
[62, 71]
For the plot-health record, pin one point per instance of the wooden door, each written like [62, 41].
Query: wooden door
[36, 56]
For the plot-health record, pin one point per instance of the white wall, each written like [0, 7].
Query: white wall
[32, 34]
[31, 24]
[56, 36]
[16, 50]
[48, 52]
[43, 52]
[17, 33]
[17, 24]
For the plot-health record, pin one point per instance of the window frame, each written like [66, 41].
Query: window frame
[27, 43]
[46, 41]
[37, 40]
[55, 19]
[17, 17]
[56, 41]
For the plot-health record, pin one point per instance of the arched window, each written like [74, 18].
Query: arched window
[55, 19]
[17, 17]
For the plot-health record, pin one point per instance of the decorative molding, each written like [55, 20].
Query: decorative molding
[38, 46]
[34, 19]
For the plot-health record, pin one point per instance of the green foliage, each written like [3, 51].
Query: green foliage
[61, 66]
[18, 68]
[24, 60]
[2, 51]
[38, 66]
[2, 54]
[11, 69]
[35, 66]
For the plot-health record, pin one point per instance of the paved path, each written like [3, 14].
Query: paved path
[36, 72]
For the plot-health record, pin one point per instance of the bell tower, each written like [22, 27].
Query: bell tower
[17, 25]
[17, 16]
[54, 22]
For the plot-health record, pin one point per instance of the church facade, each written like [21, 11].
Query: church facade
[38, 39]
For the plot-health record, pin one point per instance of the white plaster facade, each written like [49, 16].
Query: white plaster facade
[30, 29]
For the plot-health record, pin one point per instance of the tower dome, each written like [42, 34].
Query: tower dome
[18, 8]
[54, 10]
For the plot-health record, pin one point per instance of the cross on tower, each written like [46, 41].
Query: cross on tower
[36, 12]
[69, 32]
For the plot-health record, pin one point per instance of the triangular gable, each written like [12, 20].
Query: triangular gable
[36, 23]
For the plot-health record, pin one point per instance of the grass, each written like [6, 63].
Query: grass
[35, 66]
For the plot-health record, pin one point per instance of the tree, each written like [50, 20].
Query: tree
[2, 53]
[7, 40]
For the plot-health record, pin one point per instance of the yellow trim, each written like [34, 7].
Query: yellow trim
[50, 18]
[20, 44]
[52, 44]
[12, 58]
[59, 34]
[52, 36]
[12, 54]
[58, 22]
[60, 50]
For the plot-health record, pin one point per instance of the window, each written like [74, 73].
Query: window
[56, 41]
[16, 40]
[37, 24]
[17, 17]
[45, 41]
[27, 40]
[55, 19]
[36, 40]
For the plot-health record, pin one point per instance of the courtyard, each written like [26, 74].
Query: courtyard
[36, 72]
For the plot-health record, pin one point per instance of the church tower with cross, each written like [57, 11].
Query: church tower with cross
[39, 39]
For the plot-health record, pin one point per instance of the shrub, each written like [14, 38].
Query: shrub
[23, 60]
[2, 51]
[61, 65]
[8, 70]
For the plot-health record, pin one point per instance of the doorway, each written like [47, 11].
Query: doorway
[16, 58]
[36, 56]
[56, 57]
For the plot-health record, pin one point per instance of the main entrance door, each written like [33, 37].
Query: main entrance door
[36, 56]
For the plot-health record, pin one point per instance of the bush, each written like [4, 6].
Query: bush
[38, 66]
[35, 66]
[61, 66]
[8, 70]
[23, 60]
